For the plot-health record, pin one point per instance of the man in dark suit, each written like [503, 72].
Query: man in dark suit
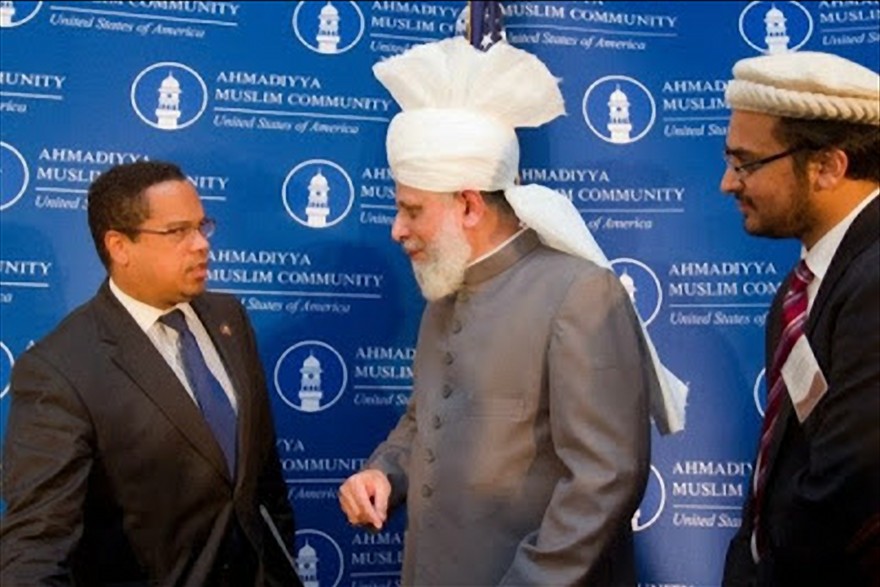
[803, 161]
[140, 447]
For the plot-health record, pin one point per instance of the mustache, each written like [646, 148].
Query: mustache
[410, 246]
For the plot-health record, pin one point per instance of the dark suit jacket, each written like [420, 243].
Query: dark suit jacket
[821, 514]
[110, 473]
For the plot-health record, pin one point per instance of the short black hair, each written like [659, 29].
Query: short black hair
[117, 202]
[860, 142]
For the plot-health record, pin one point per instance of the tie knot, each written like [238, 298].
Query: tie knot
[175, 320]
[802, 276]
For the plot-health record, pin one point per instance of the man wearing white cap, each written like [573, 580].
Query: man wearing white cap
[803, 161]
[525, 448]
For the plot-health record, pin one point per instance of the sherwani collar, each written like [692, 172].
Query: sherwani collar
[502, 259]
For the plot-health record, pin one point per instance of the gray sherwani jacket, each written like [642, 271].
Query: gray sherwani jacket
[525, 448]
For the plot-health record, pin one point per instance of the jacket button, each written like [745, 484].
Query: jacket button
[427, 491]
[429, 456]
[447, 390]
[436, 421]
[456, 326]
[448, 358]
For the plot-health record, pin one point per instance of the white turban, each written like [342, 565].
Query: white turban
[460, 108]
[806, 85]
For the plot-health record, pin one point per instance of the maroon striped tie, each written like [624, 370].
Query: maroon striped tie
[794, 314]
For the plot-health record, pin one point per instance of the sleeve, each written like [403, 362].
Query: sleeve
[48, 455]
[836, 496]
[739, 566]
[393, 454]
[271, 486]
[599, 377]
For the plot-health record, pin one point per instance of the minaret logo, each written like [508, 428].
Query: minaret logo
[619, 109]
[169, 96]
[318, 193]
[328, 28]
[310, 376]
[14, 175]
[642, 285]
[319, 559]
[775, 27]
[13, 14]
[653, 502]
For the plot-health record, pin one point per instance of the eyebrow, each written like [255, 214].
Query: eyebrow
[740, 153]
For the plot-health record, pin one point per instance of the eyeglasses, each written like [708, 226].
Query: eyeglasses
[743, 170]
[179, 234]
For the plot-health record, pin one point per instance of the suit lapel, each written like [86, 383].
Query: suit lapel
[224, 332]
[134, 353]
[863, 231]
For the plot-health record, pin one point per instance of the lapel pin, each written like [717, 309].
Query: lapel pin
[225, 330]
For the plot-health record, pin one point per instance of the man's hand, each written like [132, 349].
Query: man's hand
[364, 498]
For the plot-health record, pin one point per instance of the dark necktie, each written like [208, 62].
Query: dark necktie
[208, 392]
[794, 314]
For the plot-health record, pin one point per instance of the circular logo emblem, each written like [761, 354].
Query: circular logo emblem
[318, 193]
[6, 363]
[760, 392]
[169, 96]
[775, 27]
[14, 175]
[310, 376]
[642, 285]
[328, 28]
[461, 23]
[652, 503]
[13, 14]
[318, 558]
[619, 109]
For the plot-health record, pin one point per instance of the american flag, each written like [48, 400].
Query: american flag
[485, 27]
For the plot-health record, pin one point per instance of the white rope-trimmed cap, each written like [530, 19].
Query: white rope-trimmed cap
[807, 85]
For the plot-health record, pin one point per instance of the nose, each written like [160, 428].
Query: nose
[398, 228]
[200, 241]
[730, 183]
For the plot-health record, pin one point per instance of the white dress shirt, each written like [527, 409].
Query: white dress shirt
[166, 340]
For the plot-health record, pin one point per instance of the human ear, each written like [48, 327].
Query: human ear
[474, 207]
[831, 168]
[117, 245]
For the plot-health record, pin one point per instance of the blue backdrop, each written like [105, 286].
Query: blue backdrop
[267, 105]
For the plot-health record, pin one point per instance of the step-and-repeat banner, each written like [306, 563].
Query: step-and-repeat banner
[271, 106]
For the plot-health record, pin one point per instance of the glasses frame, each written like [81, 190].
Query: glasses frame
[205, 227]
[744, 170]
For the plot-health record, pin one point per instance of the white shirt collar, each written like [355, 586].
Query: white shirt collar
[819, 257]
[144, 314]
[498, 248]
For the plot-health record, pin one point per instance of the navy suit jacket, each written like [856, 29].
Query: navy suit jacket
[821, 515]
[112, 476]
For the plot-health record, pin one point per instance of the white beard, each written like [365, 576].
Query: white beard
[442, 273]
